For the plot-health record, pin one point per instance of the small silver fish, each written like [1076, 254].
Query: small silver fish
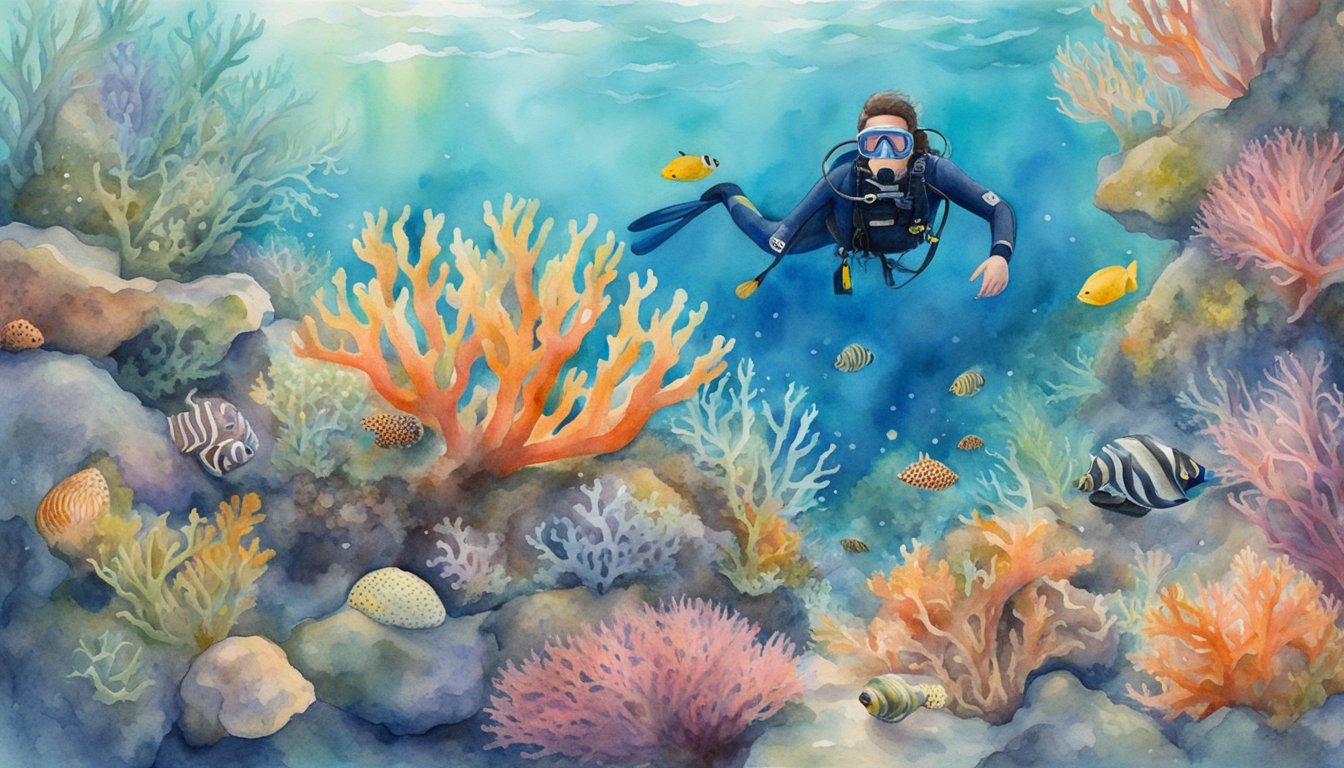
[215, 430]
[853, 357]
[891, 699]
[967, 384]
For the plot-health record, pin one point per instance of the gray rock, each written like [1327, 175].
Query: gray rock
[28, 570]
[409, 680]
[1062, 723]
[1241, 736]
[76, 298]
[60, 408]
[241, 686]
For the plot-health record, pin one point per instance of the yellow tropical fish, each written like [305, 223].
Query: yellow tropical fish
[689, 167]
[967, 384]
[1110, 283]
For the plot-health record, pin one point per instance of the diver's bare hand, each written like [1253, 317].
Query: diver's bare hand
[995, 269]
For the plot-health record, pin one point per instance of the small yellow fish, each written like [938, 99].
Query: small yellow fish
[853, 545]
[1110, 283]
[967, 384]
[689, 167]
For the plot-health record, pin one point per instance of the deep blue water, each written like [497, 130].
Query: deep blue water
[580, 104]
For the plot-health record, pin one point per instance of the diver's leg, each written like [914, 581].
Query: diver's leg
[744, 213]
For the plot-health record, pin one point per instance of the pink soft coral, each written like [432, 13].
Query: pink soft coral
[672, 686]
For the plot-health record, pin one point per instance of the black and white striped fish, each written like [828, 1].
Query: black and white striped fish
[853, 357]
[215, 430]
[1135, 474]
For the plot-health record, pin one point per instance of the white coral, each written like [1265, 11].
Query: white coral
[471, 561]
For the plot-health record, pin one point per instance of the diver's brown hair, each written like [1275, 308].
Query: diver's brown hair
[896, 104]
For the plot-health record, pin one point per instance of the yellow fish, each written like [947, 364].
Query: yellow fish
[1110, 283]
[689, 167]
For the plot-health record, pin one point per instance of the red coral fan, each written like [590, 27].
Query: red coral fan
[1265, 638]
[672, 685]
[983, 630]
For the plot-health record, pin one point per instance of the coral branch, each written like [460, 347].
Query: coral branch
[1281, 208]
[523, 327]
[1111, 85]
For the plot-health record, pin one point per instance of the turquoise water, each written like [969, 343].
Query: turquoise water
[581, 104]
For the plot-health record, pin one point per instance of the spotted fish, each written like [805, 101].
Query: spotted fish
[891, 699]
[853, 545]
[1135, 474]
[853, 357]
[929, 474]
[971, 443]
[967, 384]
[393, 430]
[215, 430]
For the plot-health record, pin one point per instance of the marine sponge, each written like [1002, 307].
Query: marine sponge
[18, 335]
[397, 598]
[929, 474]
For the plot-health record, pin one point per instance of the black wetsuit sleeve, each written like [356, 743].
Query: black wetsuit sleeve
[952, 183]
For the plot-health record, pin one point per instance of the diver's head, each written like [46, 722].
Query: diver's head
[893, 108]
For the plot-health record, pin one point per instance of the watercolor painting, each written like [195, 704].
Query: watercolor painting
[671, 383]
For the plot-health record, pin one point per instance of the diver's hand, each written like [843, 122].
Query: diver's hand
[995, 269]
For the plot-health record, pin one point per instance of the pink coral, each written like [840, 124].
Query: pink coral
[983, 628]
[1281, 207]
[1285, 443]
[674, 685]
[1265, 638]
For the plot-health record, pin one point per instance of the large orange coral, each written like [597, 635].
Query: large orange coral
[983, 626]
[523, 326]
[1265, 638]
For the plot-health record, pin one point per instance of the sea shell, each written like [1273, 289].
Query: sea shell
[18, 335]
[891, 699]
[66, 514]
[394, 430]
[929, 474]
[971, 443]
[397, 598]
[853, 545]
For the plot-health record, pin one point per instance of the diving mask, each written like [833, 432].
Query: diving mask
[886, 142]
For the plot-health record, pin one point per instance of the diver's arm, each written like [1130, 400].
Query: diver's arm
[817, 201]
[953, 183]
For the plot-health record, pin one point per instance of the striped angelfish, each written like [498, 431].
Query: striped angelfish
[853, 357]
[215, 430]
[1136, 473]
[967, 384]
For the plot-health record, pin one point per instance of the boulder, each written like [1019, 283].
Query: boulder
[59, 408]
[409, 680]
[28, 571]
[73, 294]
[1241, 736]
[241, 686]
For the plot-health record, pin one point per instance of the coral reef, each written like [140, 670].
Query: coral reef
[188, 587]
[106, 665]
[471, 562]
[606, 540]
[1284, 443]
[1281, 208]
[1048, 453]
[982, 619]
[1263, 637]
[1112, 85]
[314, 405]
[291, 273]
[767, 554]
[170, 360]
[525, 328]
[676, 685]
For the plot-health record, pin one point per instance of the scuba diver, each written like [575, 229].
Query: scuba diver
[878, 201]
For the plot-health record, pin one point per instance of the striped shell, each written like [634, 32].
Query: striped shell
[891, 699]
[967, 384]
[397, 598]
[67, 512]
[929, 474]
[394, 430]
[18, 335]
[971, 443]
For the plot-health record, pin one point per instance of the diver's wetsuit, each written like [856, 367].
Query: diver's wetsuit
[805, 228]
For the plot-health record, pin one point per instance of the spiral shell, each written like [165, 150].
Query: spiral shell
[891, 699]
[18, 335]
[929, 474]
[66, 514]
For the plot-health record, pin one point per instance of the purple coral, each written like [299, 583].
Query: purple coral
[606, 540]
[132, 96]
[675, 685]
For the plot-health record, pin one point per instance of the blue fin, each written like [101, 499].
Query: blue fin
[1113, 503]
[680, 211]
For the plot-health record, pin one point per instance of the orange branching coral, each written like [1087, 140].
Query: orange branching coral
[984, 618]
[768, 553]
[1265, 637]
[188, 587]
[524, 322]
